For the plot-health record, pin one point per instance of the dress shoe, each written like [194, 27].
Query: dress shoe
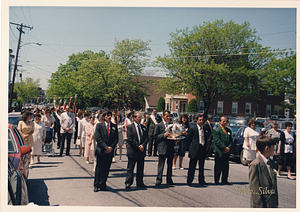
[127, 186]
[171, 183]
[203, 183]
[217, 183]
[141, 185]
[158, 184]
[96, 189]
[189, 184]
[155, 154]
[226, 183]
[104, 189]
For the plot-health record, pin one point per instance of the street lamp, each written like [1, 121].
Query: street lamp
[15, 67]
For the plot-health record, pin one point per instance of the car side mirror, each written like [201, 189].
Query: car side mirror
[25, 150]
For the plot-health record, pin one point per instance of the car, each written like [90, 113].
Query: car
[281, 125]
[95, 109]
[17, 187]
[237, 146]
[18, 153]
[14, 117]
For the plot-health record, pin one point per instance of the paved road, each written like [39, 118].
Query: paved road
[68, 181]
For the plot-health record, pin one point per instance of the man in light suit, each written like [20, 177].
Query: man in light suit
[197, 139]
[106, 137]
[137, 139]
[262, 176]
[151, 122]
[67, 120]
[165, 149]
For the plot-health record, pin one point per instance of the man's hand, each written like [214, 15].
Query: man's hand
[141, 148]
[67, 129]
[226, 150]
[184, 133]
[108, 149]
[167, 134]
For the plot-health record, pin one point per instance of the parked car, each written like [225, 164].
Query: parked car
[237, 147]
[18, 153]
[281, 125]
[14, 117]
[17, 187]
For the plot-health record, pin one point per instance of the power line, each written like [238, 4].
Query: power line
[24, 15]
[15, 14]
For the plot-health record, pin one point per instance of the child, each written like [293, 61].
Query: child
[263, 177]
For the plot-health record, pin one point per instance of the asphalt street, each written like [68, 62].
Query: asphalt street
[68, 181]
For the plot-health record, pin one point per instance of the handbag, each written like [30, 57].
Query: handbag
[78, 141]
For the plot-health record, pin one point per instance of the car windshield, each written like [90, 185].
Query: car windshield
[12, 146]
[13, 120]
[237, 122]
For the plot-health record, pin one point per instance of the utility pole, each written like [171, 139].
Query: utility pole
[20, 27]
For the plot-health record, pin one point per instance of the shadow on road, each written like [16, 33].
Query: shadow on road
[38, 192]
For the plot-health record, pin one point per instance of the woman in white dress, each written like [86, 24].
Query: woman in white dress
[88, 138]
[120, 134]
[81, 132]
[251, 134]
[39, 136]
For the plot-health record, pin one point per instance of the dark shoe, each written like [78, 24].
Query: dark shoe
[141, 185]
[67, 154]
[203, 183]
[155, 154]
[226, 183]
[60, 155]
[127, 186]
[171, 183]
[104, 189]
[158, 184]
[217, 183]
[96, 189]
[189, 184]
[57, 147]
[149, 155]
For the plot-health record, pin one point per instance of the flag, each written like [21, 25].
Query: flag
[70, 102]
[64, 105]
[75, 105]
[59, 104]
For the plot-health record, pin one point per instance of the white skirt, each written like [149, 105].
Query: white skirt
[249, 154]
[82, 139]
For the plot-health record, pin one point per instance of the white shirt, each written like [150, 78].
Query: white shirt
[252, 136]
[137, 130]
[288, 139]
[266, 161]
[201, 137]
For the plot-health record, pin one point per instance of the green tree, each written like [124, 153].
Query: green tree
[192, 106]
[280, 77]
[160, 104]
[212, 60]
[29, 88]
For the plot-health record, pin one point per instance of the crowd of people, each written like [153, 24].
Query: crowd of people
[98, 136]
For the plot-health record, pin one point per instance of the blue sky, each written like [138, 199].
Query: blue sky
[66, 30]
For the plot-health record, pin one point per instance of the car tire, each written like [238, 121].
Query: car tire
[242, 159]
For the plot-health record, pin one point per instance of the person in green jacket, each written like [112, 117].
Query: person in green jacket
[223, 142]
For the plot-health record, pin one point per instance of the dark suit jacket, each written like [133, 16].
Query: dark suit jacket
[193, 140]
[222, 141]
[103, 140]
[151, 125]
[161, 140]
[210, 129]
[133, 141]
[263, 187]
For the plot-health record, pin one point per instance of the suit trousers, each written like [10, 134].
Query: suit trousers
[200, 158]
[102, 170]
[62, 144]
[139, 173]
[150, 144]
[221, 166]
[161, 163]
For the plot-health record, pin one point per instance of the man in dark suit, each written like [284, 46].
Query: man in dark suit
[197, 139]
[210, 128]
[151, 122]
[223, 141]
[262, 176]
[165, 149]
[137, 139]
[106, 137]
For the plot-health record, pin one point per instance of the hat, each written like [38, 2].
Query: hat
[263, 129]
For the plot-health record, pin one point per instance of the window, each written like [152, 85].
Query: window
[269, 93]
[268, 110]
[220, 107]
[276, 109]
[248, 108]
[176, 105]
[201, 105]
[234, 108]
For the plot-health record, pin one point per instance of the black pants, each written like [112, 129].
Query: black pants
[200, 158]
[221, 166]
[62, 144]
[139, 173]
[102, 170]
[161, 163]
[150, 144]
[57, 132]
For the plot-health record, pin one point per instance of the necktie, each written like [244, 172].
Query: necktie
[201, 136]
[107, 129]
[140, 132]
